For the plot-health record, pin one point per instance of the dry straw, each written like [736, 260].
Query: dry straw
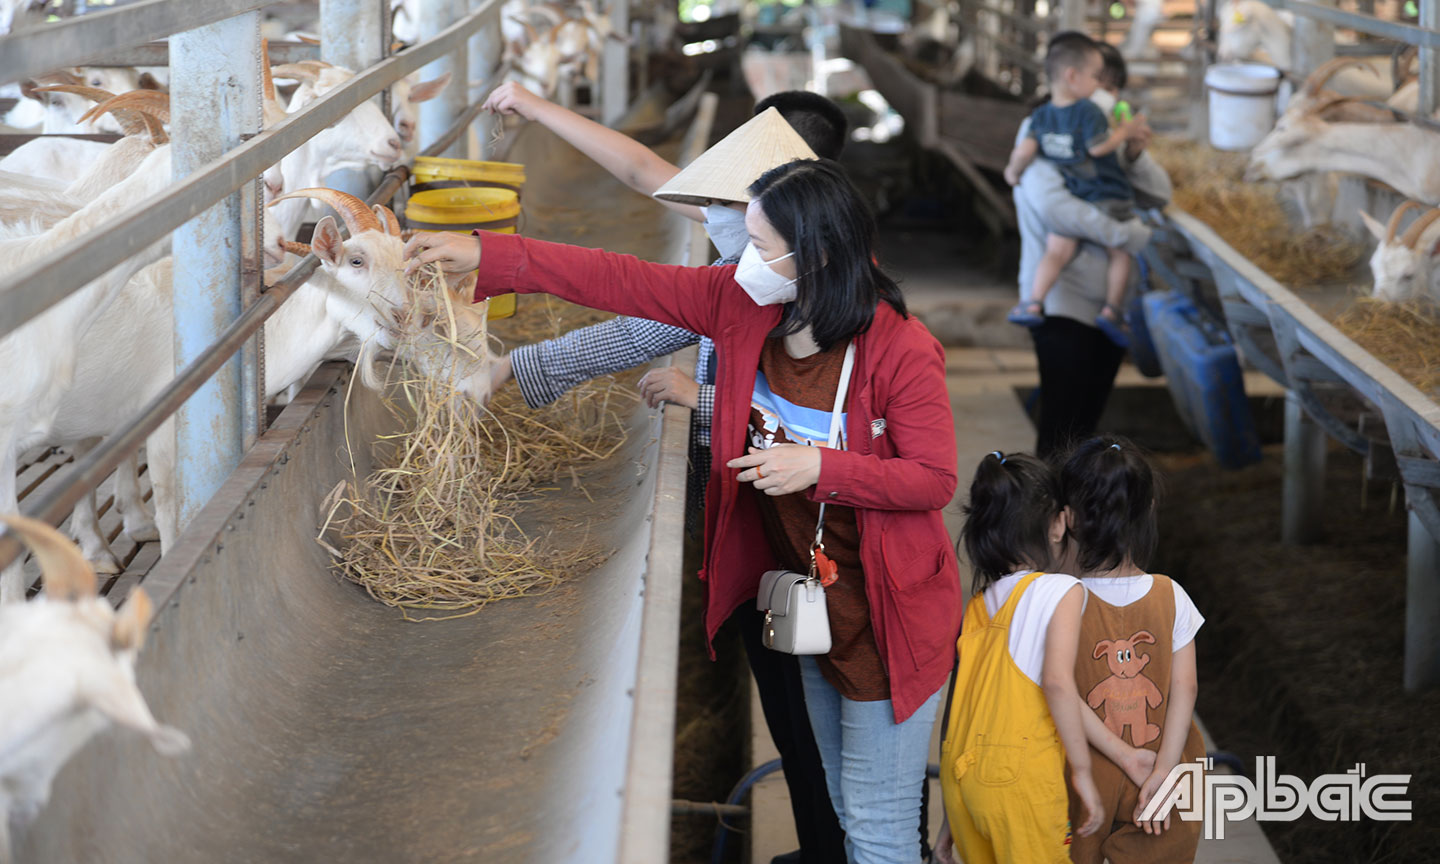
[435, 525]
[1403, 335]
[1210, 186]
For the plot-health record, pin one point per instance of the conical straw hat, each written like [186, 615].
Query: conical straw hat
[725, 171]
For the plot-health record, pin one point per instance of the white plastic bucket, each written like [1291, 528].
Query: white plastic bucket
[1242, 104]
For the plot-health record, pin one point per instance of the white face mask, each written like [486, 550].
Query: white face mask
[1105, 99]
[726, 227]
[764, 285]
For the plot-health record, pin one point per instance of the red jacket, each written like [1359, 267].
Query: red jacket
[898, 473]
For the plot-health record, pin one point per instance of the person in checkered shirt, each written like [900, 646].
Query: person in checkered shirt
[546, 370]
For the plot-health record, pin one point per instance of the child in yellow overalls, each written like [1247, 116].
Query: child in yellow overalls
[1014, 714]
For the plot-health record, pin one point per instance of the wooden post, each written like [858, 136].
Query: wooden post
[1303, 487]
[1422, 606]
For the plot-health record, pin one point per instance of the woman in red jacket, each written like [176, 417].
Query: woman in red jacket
[807, 288]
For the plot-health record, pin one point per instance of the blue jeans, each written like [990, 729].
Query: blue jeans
[874, 768]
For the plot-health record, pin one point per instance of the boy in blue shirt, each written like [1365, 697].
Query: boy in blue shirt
[1073, 132]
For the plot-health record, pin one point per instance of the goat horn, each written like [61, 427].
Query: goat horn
[1394, 223]
[387, 216]
[267, 78]
[151, 102]
[294, 248]
[357, 214]
[94, 94]
[66, 573]
[1418, 227]
[308, 40]
[1321, 76]
[296, 71]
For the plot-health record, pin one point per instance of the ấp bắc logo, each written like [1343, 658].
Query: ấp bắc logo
[1196, 793]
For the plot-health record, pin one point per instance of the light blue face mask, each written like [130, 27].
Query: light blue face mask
[726, 227]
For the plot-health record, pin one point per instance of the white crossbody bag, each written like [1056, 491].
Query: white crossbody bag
[796, 620]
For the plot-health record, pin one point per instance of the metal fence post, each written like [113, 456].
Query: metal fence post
[215, 99]
[1303, 487]
[1312, 44]
[353, 34]
[439, 114]
[1422, 606]
[1429, 61]
[485, 49]
[614, 81]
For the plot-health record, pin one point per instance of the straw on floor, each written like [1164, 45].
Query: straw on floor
[1404, 336]
[436, 526]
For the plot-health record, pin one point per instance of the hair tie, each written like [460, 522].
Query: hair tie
[1114, 446]
[998, 455]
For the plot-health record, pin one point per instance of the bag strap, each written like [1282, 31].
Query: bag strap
[841, 390]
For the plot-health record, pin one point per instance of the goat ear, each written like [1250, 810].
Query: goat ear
[128, 631]
[1373, 226]
[1435, 247]
[1142, 636]
[1102, 648]
[326, 242]
[148, 82]
[28, 87]
[427, 90]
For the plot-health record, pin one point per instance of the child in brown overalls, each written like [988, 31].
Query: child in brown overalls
[1136, 661]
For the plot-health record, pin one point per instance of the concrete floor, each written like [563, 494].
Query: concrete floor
[988, 416]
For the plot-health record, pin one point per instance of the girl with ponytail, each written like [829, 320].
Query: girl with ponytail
[1136, 662]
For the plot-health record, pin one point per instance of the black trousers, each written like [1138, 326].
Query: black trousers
[1078, 365]
[782, 699]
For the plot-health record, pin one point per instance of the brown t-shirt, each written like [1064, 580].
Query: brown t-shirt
[791, 404]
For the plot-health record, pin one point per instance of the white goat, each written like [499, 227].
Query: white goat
[365, 137]
[405, 98]
[1251, 30]
[67, 673]
[356, 297]
[1404, 266]
[1404, 155]
[39, 358]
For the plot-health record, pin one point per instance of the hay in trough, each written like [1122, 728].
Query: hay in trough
[1210, 185]
[1404, 336]
[435, 526]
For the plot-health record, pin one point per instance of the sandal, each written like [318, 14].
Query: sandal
[1027, 314]
[1113, 326]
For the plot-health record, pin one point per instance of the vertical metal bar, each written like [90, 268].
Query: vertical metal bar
[1422, 604]
[1303, 487]
[440, 113]
[352, 32]
[352, 35]
[1312, 44]
[1072, 15]
[614, 81]
[215, 103]
[1429, 60]
[485, 48]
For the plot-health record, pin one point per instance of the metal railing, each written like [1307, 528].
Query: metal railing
[1425, 36]
[38, 287]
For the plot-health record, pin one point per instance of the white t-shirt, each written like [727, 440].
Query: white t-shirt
[1128, 589]
[1032, 615]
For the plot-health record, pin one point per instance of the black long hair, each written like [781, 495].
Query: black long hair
[1013, 500]
[815, 208]
[1112, 491]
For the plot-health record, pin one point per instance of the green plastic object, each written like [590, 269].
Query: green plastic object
[1123, 111]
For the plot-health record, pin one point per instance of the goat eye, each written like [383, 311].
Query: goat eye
[357, 262]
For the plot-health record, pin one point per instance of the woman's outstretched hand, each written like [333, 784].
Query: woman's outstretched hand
[455, 253]
[780, 470]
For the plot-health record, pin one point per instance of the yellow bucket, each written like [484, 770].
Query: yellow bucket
[458, 209]
[435, 173]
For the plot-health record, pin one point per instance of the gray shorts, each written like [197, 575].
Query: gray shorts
[1119, 209]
